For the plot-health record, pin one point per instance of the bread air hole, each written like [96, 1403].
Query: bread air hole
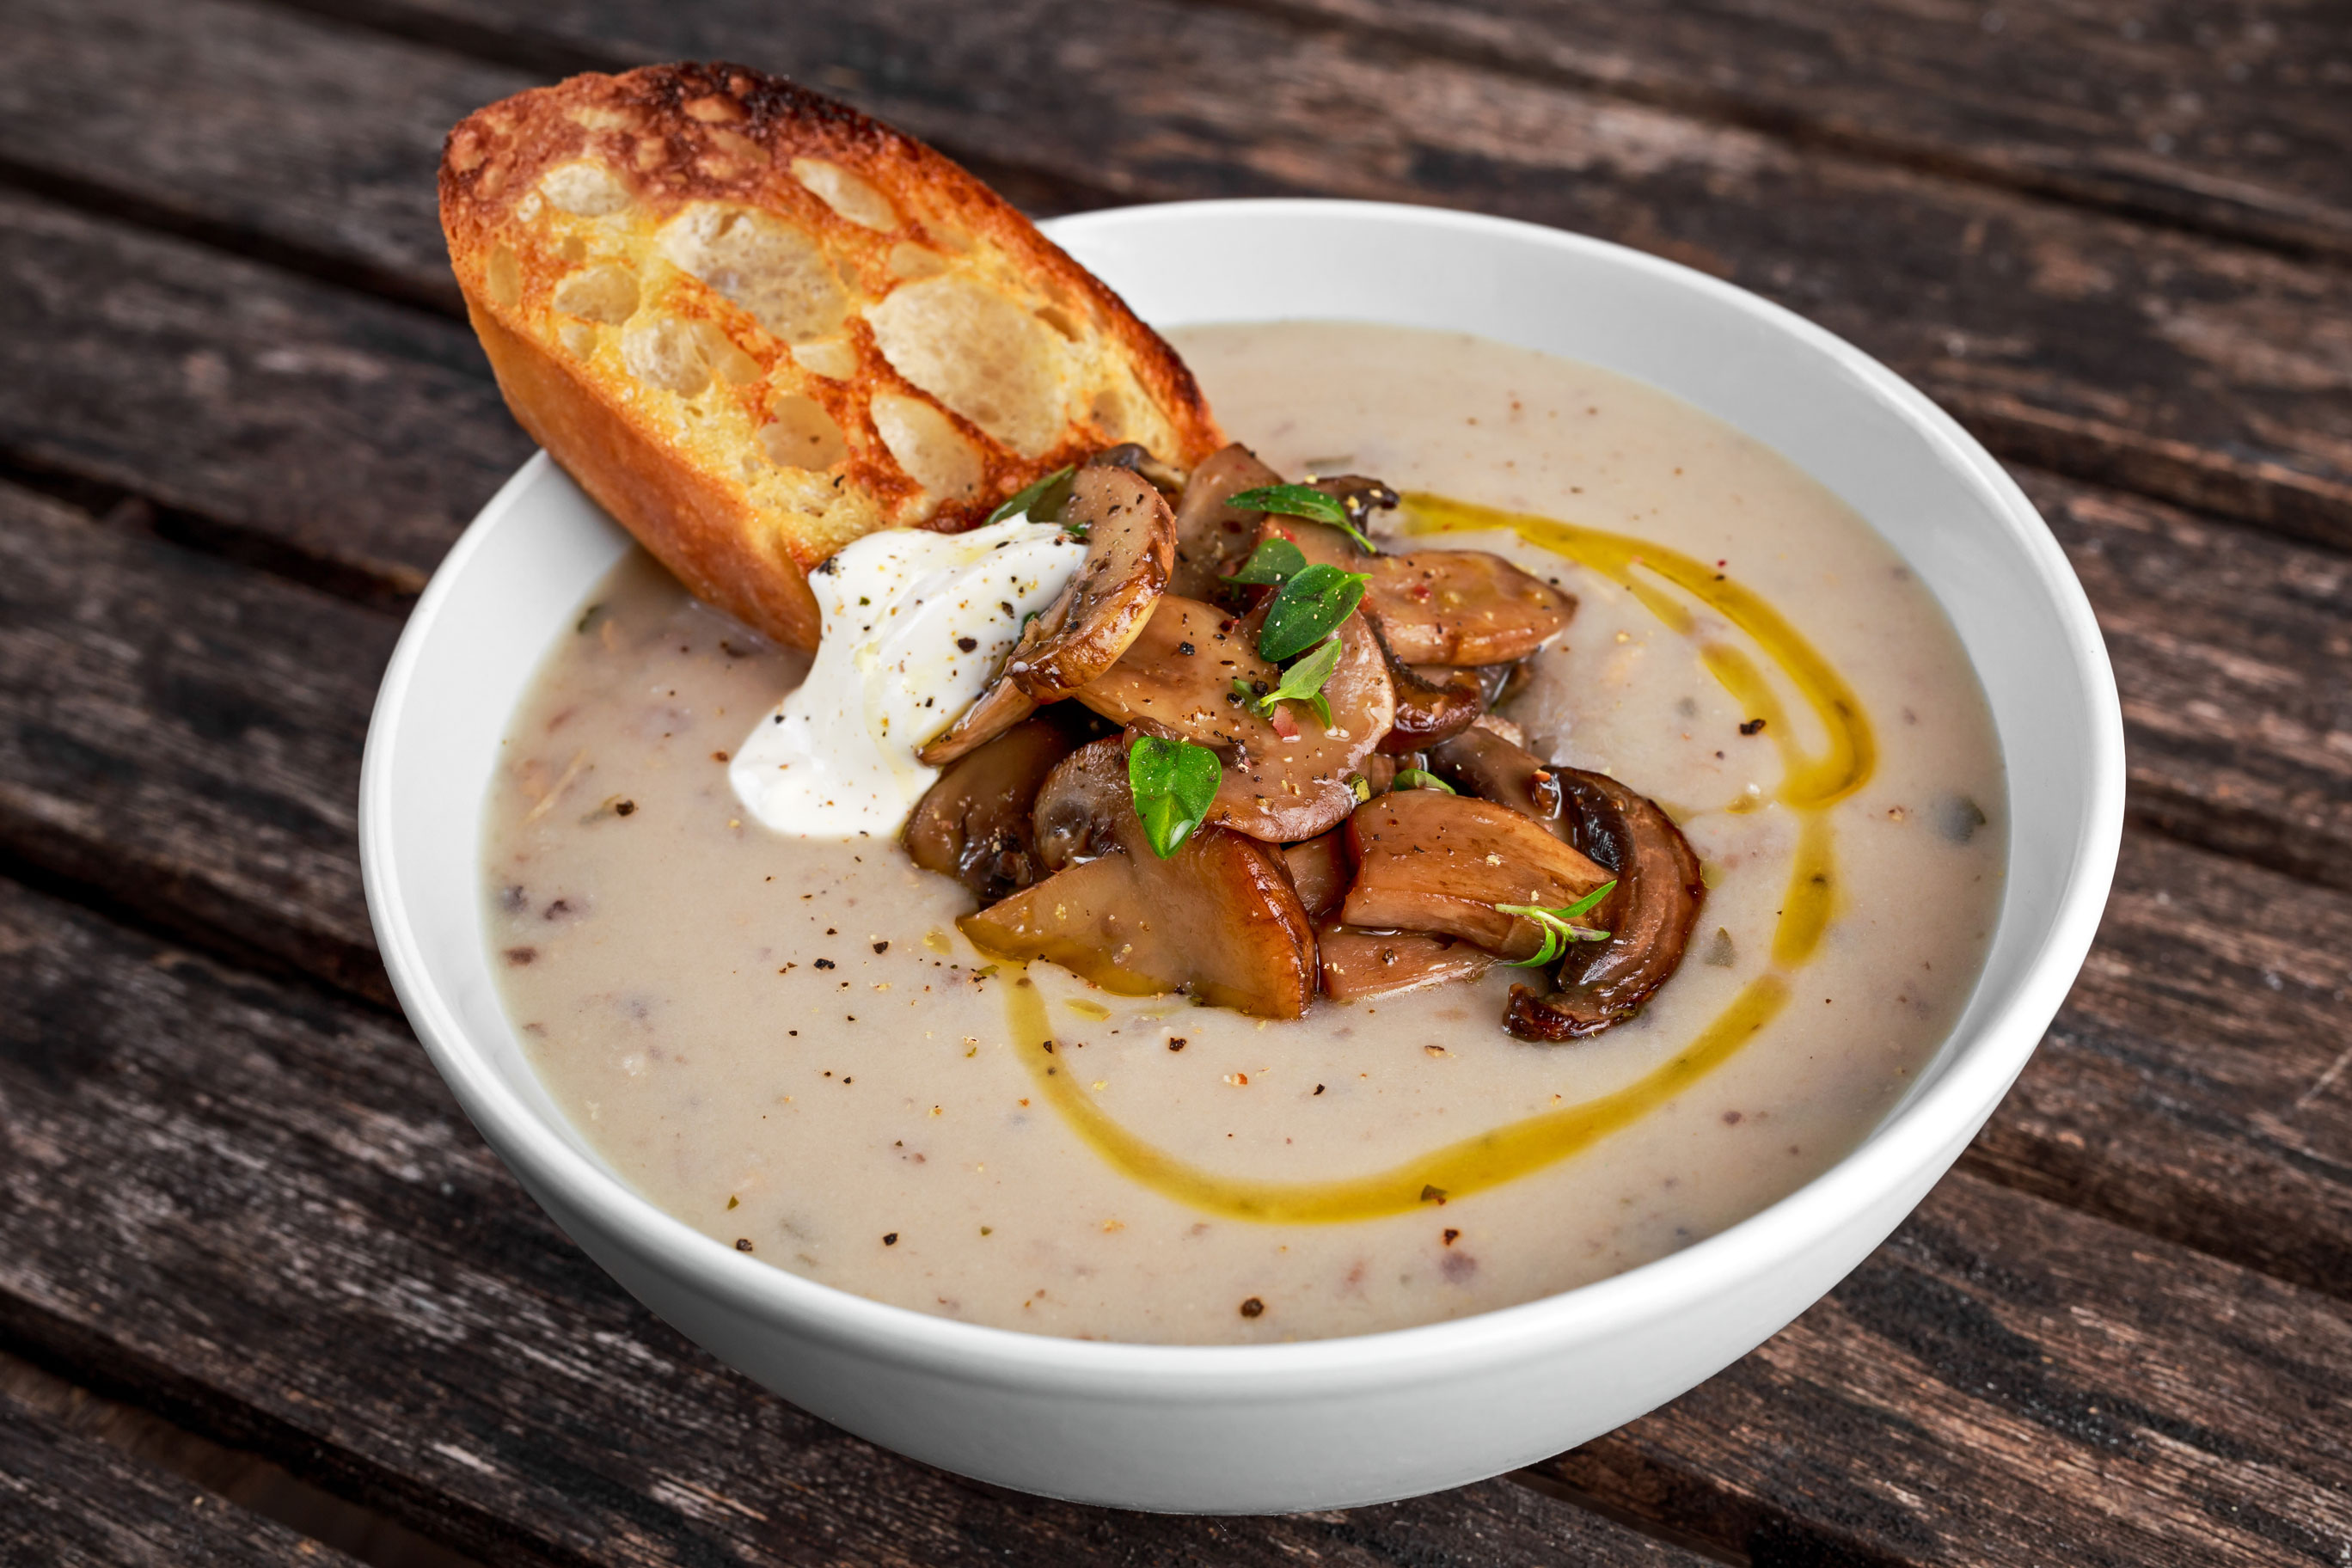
[803, 435]
[833, 358]
[930, 448]
[577, 338]
[911, 262]
[584, 189]
[771, 269]
[607, 293]
[683, 356]
[503, 278]
[978, 352]
[846, 194]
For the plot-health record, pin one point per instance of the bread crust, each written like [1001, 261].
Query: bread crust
[756, 324]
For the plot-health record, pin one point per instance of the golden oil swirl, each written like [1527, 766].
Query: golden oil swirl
[1810, 785]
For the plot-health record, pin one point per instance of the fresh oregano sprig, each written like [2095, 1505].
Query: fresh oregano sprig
[1025, 502]
[1303, 681]
[1270, 565]
[1302, 500]
[1312, 602]
[1557, 927]
[1174, 784]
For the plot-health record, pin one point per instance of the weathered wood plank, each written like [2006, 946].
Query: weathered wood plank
[68, 1502]
[2195, 1084]
[347, 433]
[260, 1209]
[2211, 114]
[183, 737]
[2151, 361]
[2233, 654]
[2158, 1407]
[250, 1483]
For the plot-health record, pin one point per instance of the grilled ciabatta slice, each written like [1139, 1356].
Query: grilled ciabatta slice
[755, 325]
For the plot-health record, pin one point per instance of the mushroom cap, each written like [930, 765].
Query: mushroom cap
[1130, 549]
[1430, 861]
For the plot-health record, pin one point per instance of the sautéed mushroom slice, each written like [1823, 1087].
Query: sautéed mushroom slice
[1483, 763]
[1441, 607]
[974, 823]
[1130, 549]
[1131, 546]
[1218, 919]
[1649, 917]
[1429, 861]
[1319, 871]
[1427, 710]
[1178, 677]
[1298, 786]
[1359, 964]
[1210, 535]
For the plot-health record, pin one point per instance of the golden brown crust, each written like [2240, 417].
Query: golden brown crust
[756, 324]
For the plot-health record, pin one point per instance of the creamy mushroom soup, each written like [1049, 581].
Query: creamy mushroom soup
[789, 1045]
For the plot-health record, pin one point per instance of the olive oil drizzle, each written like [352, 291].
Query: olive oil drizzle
[1810, 785]
[1476, 1163]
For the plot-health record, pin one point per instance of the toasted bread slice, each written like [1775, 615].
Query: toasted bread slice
[756, 324]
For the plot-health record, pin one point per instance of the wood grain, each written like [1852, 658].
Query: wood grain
[2222, 116]
[181, 736]
[351, 435]
[2233, 655]
[2160, 361]
[1998, 1350]
[68, 1502]
[258, 1210]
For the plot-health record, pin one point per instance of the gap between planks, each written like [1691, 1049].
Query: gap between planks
[246, 1481]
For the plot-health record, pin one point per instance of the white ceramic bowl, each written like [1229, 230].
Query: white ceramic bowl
[1332, 1422]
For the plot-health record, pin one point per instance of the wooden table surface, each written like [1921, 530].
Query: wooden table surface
[263, 1295]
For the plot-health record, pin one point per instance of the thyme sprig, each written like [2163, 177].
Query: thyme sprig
[1558, 924]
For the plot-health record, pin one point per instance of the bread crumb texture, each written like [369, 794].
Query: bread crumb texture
[756, 325]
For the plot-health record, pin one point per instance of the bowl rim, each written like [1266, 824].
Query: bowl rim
[1944, 1114]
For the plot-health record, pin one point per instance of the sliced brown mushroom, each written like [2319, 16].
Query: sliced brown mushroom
[1083, 809]
[1359, 497]
[1212, 538]
[1319, 871]
[1441, 607]
[1483, 763]
[1361, 963]
[1137, 458]
[1218, 919]
[1427, 711]
[1649, 917]
[1178, 675]
[974, 823]
[1299, 785]
[1131, 546]
[1430, 861]
[992, 712]
[1130, 549]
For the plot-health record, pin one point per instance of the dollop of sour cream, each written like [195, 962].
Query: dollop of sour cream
[916, 625]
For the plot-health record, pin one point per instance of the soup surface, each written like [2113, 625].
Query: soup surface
[788, 1044]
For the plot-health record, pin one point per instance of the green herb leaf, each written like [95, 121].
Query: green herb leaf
[1023, 503]
[1174, 784]
[1309, 608]
[1360, 787]
[1303, 681]
[1270, 565]
[1557, 927]
[1303, 501]
[1420, 778]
